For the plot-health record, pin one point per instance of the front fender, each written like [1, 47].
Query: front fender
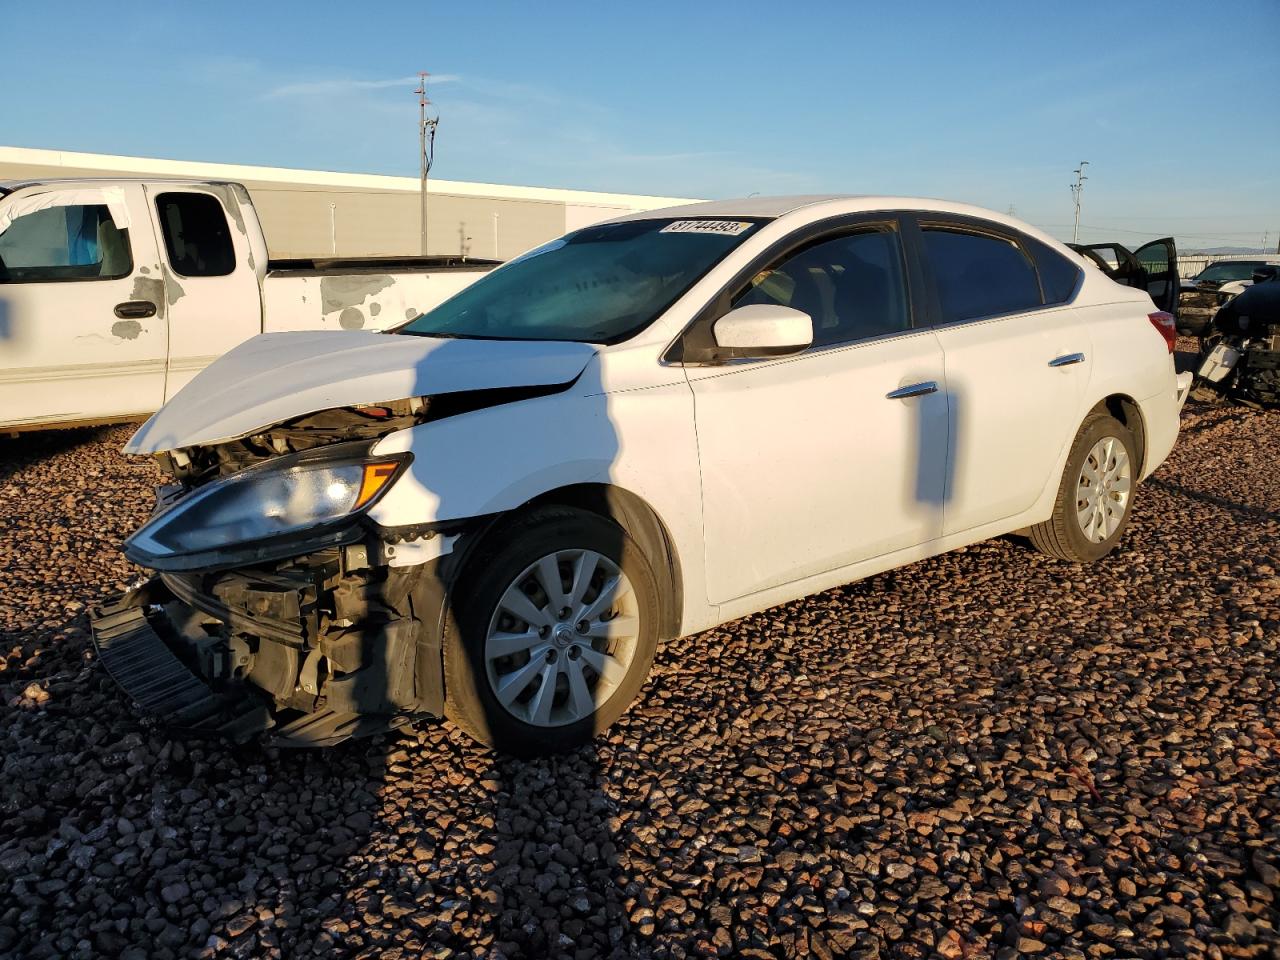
[486, 462]
[493, 460]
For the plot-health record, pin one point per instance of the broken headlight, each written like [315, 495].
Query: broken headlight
[275, 503]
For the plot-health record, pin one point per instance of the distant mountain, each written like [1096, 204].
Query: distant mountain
[1231, 251]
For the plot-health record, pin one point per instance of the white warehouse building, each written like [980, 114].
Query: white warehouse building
[317, 213]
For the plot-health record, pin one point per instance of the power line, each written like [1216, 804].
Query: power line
[1147, 233]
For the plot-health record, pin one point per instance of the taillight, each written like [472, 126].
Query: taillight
[1166, 326]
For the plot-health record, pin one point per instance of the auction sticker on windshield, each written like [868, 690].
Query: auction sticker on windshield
[728, 228]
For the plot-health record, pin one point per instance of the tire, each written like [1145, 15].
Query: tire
[611, 667]
[1064, 534]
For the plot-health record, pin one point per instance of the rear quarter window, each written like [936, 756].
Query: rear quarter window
[1059, 277]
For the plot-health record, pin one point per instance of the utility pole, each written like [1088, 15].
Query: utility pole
[1077, 188]
[426, 148]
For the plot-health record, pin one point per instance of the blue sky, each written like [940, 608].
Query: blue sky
[1173, 104]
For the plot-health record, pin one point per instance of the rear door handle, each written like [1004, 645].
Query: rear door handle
[135, 309]
[915, 390]
[1067, 359]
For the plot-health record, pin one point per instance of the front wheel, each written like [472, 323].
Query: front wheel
[555, 629]
[1095, 496]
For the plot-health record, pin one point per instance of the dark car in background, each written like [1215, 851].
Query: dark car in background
[1215, 286]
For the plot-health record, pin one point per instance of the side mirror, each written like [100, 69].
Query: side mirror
[762, 330]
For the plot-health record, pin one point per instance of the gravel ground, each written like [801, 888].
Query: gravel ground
[985, 754]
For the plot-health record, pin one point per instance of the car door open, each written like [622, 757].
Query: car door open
[1159, 260]
[1153, 267]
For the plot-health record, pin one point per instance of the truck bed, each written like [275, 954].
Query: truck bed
[308, 265]
[361, 293]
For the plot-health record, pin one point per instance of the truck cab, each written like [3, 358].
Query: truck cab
[114, 294]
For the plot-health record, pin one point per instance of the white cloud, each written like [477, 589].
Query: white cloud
[343, 87]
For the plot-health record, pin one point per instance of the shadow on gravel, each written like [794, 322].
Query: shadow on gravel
[499, 856]
[1244, 510]
[120, 839]
[1184, 360]
[979, 755]
[26, 449]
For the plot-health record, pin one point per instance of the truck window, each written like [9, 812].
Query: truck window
[196, 237]
[64, 243]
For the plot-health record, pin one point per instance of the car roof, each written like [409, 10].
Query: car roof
[819, 205]
[812, 207]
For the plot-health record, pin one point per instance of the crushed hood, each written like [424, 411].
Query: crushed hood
[278, 376]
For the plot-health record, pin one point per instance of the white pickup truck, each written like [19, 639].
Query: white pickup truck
[115, 293]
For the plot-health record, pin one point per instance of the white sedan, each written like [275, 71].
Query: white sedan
[635, 432]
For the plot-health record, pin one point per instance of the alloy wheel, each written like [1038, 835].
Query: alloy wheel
[562, 638]
[1103, 488]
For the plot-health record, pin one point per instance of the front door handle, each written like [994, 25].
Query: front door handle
[135, 309]
[915, 390]
[1067, 359]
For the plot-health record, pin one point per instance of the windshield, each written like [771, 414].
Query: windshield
[602, 284]
[1225, 272]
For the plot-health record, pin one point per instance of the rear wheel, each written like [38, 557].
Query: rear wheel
[554, 633]
[1095, 495]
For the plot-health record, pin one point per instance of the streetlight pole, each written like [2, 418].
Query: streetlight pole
[1077, 188]
[426, 150]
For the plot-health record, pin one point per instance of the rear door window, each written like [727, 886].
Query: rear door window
[78, 242]
[196, 237]
[979, 275]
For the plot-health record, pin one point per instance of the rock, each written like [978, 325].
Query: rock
[643, 919]
[951, 945]
[1052, 885]
[983, 755]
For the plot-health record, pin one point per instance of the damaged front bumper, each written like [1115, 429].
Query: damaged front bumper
[311, 651]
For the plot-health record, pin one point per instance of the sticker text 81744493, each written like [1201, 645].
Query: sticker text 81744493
[727, 228]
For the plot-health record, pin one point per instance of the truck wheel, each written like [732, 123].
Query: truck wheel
[554, 629]
[1095, 496]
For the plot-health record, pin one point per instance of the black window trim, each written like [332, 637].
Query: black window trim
[164, 239]
[959, 223]
[1075, 287]
[695, 344]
